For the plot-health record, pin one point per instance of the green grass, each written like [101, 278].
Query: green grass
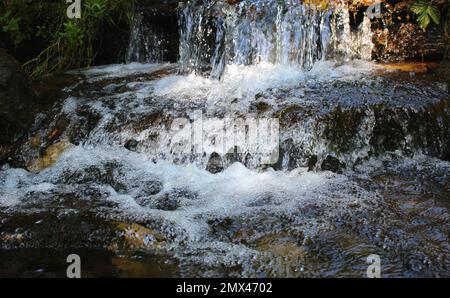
[68, 43]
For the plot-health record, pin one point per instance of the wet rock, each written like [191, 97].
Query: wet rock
[446, 154]
[437, 213]
[51, 155]
[287, 254]
[261, 106]
[184, 194]
[5, 151]
[443, 86]
[290, 114]
[149, 188]
[397, 37]
[114, 174]
[155, 23]
[233, 155]
[152, 119]
[88, 119]
[53, 229]
[35, 141]
[355, 131]
[16, 100]
[353, 120]
[166, 202]
[341, 126]
[131, 144]
[226, 228]
[388, 132]
[136, 237]
[293, 155]
[215, 164]
[99, 174]
[68, 198]
[332, 164]
[312, 162]
[232, 2]
[415, 67]
[169, 200]
[155, 266]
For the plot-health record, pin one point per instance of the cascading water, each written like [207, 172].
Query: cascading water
[153, 35]
[215, 34]
[347, 44]
[358, 153]
[146, 45]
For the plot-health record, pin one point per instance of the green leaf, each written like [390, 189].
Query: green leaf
[434, 14]
[423, 20]
[425, 12]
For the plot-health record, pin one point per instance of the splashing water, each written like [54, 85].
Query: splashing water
[213, 35]
[147, 44]
[273, 60]
[244, 82]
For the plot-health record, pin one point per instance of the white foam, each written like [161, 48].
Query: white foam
[70, 105]
[351, 70]
[119, 70]
[14, 184]
[236, 192]
[241, 81]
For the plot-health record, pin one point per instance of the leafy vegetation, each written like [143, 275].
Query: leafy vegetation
[67, 43]
[437, 11]
[426, 12]
[10, 25]
[53, 42]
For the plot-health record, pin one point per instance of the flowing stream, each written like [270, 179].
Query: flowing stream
[214, 35]
[142, 168]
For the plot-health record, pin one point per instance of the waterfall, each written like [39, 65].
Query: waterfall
[364, 39]
[145, 44]
[281, 158]
[197, 29]
[215, 34]
[347, 44]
